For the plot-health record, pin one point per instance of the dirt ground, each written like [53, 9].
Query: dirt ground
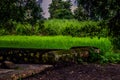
[80, 72]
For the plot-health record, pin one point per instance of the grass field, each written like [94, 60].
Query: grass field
[53, 42]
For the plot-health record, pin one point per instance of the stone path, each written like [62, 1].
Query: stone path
[22, 71]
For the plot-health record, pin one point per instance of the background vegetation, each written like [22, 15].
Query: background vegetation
[75, 28]
[91, 19]
[60, 9]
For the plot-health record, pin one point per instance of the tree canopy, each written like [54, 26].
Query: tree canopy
[97, 9]
[19, 11]
[60, 9]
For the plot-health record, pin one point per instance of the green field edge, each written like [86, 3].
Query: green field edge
[53, 42]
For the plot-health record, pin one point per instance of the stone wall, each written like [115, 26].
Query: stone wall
[46, 55]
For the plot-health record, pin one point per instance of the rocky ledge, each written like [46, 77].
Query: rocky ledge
[22, 71]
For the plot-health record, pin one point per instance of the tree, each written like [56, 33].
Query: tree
[7, 8]
[114, 27]
[97, 9]
[80, 14]
[33, 10]
[16, 10]
[60, 9]
[114, 24]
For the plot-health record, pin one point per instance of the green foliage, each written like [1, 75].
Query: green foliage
[60, 9]
[63, 14]
[97, 9]
[107, 57]
[110, 57]
[59, 27]
[94, 56]
[19, 11]
[114, 27]
[75, 28]
[80, 14]
[6, 10]
[34, 10]
[53, 42]
[23, 29]
[116, 42]
[3, 32]
[27, 29]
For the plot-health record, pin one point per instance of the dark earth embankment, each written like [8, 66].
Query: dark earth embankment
[49, 56]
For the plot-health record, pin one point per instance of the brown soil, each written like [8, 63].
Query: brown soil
[80, 72]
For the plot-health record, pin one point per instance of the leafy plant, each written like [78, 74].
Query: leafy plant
[60, 9]
[75, 28]
[110, 57]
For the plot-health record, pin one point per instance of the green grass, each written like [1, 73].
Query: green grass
[52, 42]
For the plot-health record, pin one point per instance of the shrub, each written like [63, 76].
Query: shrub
[27, 29]
[3, 32]
[94, 56]
[63, 14]
[23, 29]
[110, 57]
[75, 28]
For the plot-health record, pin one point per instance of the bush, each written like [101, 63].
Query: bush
[23, 29]
[3, 32]
[60, 27]
[110, 57]
[27, 29]
[75, 28]
[63, 14]
[94, 56]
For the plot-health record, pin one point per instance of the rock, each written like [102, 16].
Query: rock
[24, 71]
[8, 65]
[49, 57]
[97, 51]
[84, 54]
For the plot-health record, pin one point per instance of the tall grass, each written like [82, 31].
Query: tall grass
[53, 42]
[103, 43]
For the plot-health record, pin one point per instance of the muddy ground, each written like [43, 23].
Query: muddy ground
[72, 72]
[80, 72]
